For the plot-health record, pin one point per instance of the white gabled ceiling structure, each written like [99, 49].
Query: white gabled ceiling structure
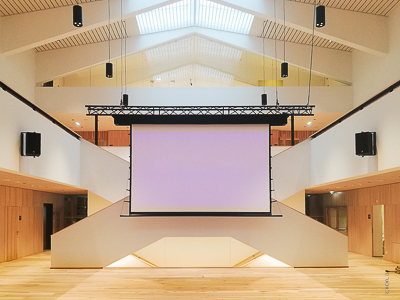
[61, 49]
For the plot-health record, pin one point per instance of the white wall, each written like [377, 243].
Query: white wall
[371, 73]
[109, 237]
[60, 152]
[331, 156]
[18, 71]
[73, 100]
[102, 173]
[333, 153]
[291, 170]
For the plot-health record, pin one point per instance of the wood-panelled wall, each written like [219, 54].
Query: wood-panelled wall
[21, 220]
[359, 205]
[121, 138]
[115, 138]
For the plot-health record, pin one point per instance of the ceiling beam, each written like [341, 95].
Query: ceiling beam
[365, 32]
[26, 31]
[53, 64]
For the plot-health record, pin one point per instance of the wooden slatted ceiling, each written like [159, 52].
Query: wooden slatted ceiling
[299, 37]
[13, 7]
[96, 35]
[376, 7]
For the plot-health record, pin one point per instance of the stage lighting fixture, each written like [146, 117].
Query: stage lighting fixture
[320, 16]
[77, 16]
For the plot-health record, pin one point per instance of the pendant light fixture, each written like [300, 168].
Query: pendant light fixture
[264, 97]
[320, 16]
[124, 96]
[284, 65]
[109, 66]
[77, 15]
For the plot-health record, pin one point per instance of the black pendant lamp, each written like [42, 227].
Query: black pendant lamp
[264, 99]
[320, 16]
[109, 70]
[77, 16]
[124, 100]
[284, 70]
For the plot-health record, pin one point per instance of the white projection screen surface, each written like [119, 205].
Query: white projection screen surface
[200, 168]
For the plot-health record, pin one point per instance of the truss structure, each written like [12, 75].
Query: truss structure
[112, 110]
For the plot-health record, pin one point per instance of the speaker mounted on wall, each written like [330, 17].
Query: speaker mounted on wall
[366, 143]
[30, 144]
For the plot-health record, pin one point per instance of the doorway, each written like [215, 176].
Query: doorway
[378, 237]
[47, 225]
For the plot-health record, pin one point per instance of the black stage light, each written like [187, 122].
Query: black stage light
[320, 16]
[77, 16]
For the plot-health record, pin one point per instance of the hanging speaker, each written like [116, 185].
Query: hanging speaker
[366, 143]
[77, 16]
[263, 99]
[30, 143]
[109, 70]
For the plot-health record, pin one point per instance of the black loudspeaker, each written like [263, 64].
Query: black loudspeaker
[30, 143]
[366, 143]
[263, 99]
[125, 99]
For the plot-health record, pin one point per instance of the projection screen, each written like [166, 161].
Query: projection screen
[200, 168]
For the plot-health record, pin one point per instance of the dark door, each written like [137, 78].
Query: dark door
[47, 225]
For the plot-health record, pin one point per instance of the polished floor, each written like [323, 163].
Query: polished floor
[32, 278]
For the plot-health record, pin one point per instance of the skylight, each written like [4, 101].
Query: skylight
[172, 16]
[207, 14]
[217, 16]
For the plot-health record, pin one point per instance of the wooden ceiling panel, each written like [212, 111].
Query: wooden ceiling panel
[375, 7]
[13, 7]
[29, 182]
[273, 29]
[100, 34]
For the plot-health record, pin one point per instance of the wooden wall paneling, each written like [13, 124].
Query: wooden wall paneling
[2, 195]
[38, 229]
[12, 232]
[3, 237]
[394, 194]
[26, 228]
[360, 229]
[118, 138]
[275, 137]
[392, 232]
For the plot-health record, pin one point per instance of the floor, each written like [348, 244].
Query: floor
[32, 278]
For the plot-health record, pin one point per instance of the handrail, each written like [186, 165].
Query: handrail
[37, 109]
[357, 109]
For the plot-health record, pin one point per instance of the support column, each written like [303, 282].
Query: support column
[292, 128]
[96, 130]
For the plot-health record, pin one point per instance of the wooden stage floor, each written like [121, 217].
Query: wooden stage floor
[32, 278]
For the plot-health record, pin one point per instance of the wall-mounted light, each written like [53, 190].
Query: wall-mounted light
[77, 16]
[320, 16]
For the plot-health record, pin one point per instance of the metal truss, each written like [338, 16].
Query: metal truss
[110, 110]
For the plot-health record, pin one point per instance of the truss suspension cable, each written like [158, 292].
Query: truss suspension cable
[276, 57]
[312, 52]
